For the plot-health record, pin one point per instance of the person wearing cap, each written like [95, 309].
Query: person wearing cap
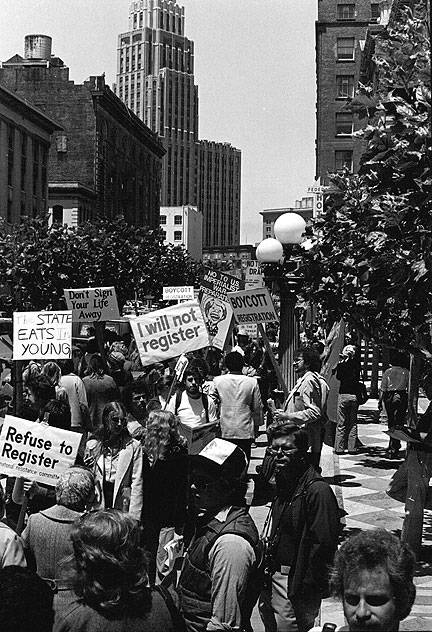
[303, 535]
[241, 409]
[348, 373]
[242, 341]
[215, 583]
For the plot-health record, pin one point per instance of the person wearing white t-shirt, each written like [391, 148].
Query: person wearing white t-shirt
[191, 405]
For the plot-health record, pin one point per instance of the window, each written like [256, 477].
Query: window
[163, 234]
[345, 48]
[375, 12]
[61, 143]
[344, 86]
[35, 166]
[23, 160]
[177, 235]
[163, 219]
[11, 143]
[343, 158]
[344, 123]
[346, 11]
[57, 214]
[178, 220]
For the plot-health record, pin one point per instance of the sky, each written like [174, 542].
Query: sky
[254, 65]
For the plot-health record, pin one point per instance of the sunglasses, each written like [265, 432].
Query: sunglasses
[372, 600]
[202, 484]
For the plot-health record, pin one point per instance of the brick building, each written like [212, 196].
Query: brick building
[155, 78]
[106, 161]
[340, 37]
[25, 135]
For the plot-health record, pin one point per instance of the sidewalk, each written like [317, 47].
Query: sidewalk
[359, 483]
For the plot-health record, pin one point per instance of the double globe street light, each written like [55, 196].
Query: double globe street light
[289, 229]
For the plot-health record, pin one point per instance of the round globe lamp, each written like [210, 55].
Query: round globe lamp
[269, 251]
[289, 228]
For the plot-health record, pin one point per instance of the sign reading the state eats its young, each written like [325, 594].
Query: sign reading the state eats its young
[169, 332]
[36, 451]
[92, 304]
[42, 335]
[253, 306]
[178, 293]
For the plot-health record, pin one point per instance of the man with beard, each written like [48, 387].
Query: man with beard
[303, 535]
[215, 585]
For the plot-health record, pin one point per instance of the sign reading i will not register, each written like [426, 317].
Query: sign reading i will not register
[42, 335]
[92, 304]
[36, 451]
[178, 293]
[253, 306]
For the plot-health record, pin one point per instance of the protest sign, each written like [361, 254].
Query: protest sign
[178, 293]
[92, 304]
[42, 335]
[36, 451]
[170, 332]
[253, 306]
[215, 305]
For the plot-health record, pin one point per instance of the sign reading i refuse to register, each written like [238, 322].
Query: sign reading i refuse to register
[36, 451]
[92, 304]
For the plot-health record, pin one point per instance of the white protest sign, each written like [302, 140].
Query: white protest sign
[170, 332]
[178, 293]
[42, 335]
[92, 304]
[36, 451]
[253, 306]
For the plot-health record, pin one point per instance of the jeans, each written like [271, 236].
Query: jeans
[395, 404]
[419, 468]
[281, 614]
[346, 428]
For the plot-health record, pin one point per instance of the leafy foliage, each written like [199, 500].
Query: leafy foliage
[373, 262]
[37, 263]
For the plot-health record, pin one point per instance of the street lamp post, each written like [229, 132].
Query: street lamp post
[288, 229]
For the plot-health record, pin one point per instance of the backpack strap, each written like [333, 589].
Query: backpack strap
[205, 405]
[176, 617]
[178, 399]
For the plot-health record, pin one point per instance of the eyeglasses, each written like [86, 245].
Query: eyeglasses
[284, 449]
[116, 420]
[372, 600]
[138, 397]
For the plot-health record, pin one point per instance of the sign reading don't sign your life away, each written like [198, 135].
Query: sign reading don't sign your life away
[42, 335]
[92, 304]
[169, 332]
[253, 306]
[36, 451]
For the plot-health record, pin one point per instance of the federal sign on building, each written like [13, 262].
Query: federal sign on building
[253, 306]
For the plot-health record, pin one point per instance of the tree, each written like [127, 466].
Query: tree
[373, 262]
[37, 262]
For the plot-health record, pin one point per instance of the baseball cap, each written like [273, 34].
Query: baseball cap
[222, 459]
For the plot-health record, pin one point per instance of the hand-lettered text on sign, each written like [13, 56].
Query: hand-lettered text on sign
[42, 335]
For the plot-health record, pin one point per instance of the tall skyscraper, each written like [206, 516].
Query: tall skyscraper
[155, 78]
[340, 36]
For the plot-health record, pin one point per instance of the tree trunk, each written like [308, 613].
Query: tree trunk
[374, 373]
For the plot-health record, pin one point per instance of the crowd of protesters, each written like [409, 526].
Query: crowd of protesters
[101, 550]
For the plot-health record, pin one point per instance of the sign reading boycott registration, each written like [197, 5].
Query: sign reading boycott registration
[36, 451]
[253, 306]
[42, 335]
[170, 332]
[92, 304]
[178, 293]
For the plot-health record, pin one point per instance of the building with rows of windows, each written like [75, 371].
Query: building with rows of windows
[25, 136]
[105, 161]
[155, 79]
[182, 226]
[340, 36]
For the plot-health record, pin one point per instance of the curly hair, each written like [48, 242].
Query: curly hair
[110, 573]
[162, 437]
[369, 550]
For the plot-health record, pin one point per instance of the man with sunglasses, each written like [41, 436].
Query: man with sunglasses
[303, 535]
[215, 585]
[373, 576]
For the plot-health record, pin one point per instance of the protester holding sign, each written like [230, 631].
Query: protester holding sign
[116, 460]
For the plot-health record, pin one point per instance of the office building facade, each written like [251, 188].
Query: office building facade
[155, 78]
[182, 226]
[340, 36]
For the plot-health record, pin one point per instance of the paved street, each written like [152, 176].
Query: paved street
[359, 483]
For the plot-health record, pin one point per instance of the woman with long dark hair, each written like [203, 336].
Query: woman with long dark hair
[116, 460]
[110, 581]
[165, 481]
